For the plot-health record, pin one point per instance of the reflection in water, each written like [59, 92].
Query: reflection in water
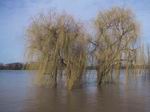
[19, 94]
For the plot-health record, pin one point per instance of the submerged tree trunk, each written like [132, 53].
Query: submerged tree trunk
[55, 79]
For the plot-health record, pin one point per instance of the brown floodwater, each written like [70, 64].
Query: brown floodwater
[18, 93]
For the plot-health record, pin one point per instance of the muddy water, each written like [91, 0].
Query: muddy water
[19, 94]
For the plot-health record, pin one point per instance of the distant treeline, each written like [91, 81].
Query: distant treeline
[13, 66]
[24, 66]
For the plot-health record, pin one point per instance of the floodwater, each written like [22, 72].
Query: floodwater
[18, 93]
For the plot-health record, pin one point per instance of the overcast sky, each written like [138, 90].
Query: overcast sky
[15, 16]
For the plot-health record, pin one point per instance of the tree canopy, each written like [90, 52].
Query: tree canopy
[59, 45]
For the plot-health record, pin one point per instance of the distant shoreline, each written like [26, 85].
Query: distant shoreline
[13, 66]
[22, 66]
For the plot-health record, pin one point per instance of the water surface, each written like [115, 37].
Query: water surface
[18, 93]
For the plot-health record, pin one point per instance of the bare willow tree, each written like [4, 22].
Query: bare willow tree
[117, 31]
[57, 42]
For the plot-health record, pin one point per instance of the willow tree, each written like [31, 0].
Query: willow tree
[117, 31]
[56, 42]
